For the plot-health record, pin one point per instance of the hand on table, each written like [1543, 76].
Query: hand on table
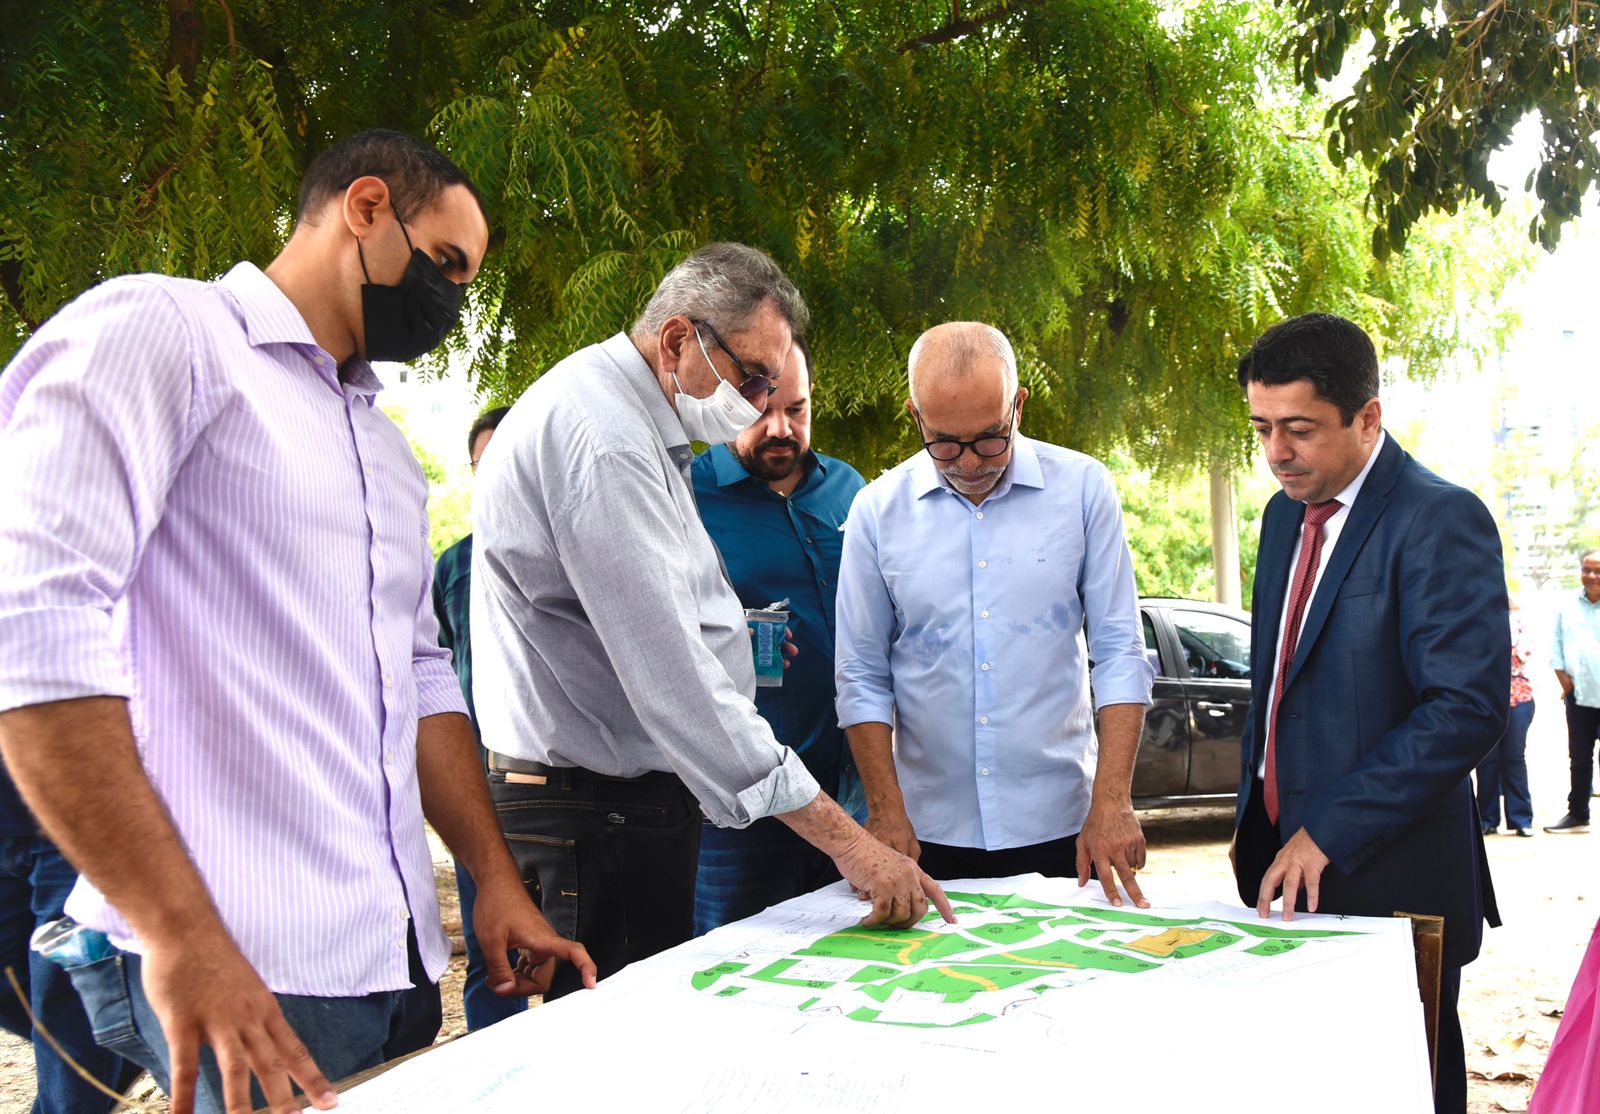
[898, 889]
[1113, 841]
[204, 992]
[1300, 863]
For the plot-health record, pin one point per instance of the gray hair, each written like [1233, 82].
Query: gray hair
[724, 284]
[965, 341]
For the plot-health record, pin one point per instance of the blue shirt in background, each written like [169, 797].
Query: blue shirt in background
[777, 548]
[452, 595]
[1575, 650]
[963, 625]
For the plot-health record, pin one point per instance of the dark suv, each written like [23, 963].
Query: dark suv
[1190, 749]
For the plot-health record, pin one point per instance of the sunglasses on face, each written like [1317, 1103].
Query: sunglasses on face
[756, 389]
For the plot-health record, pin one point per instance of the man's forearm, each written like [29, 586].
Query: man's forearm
[824, 825]
[872, 746]
[1564, 679]
[79, 771]
[455, 797]
[1120, 727]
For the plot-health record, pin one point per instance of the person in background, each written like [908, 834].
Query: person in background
[35, 879]
[452, 597]
[775, 509]
[1504, 770]
[1576, 659]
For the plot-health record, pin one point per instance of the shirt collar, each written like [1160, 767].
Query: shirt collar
[1348, 496]
[269, 317]
[637, 373]
[1023, 469]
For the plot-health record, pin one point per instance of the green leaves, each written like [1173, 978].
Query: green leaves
[1440, 91]
[1126, 187]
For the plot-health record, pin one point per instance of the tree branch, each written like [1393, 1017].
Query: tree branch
[959, 26]
[11, 283]
[183, 38]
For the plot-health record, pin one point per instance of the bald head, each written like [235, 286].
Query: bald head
[962, 356]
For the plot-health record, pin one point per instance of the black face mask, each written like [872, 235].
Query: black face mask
[411, 318]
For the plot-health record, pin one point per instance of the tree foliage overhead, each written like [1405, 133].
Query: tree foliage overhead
[1442, 87]
[1118, 184]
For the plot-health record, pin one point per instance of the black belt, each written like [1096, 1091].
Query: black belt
[572, 775]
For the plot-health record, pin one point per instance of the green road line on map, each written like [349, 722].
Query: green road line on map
[954, 983]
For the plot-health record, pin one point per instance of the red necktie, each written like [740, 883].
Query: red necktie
[1305, 578]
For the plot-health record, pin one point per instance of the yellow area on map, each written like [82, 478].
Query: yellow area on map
[964, 977]
[1165, 943]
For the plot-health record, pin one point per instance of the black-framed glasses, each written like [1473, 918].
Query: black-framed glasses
[988, 446]
[756, 389]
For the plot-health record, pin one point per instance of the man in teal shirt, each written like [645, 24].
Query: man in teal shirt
[1576, 658]
[452, 593]
[775, 509]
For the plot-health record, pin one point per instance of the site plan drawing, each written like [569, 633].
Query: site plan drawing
[1004, 953]
[1043, 995]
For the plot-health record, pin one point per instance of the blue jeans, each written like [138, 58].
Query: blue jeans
[344, 1035]
[742, 871]
[482, 1006]
[1504, 772]
[34, 882]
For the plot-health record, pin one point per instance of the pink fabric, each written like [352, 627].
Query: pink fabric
[1571, 1080]
[200, 516]
[1300, 589]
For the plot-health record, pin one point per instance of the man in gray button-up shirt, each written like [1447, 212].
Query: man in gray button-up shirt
[612, 667]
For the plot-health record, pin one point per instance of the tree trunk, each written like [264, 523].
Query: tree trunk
[1224, 534]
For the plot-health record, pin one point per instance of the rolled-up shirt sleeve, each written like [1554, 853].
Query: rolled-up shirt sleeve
[1121, 674]
[438, 690]
[642, 606]
[97, 414]
[865, 617]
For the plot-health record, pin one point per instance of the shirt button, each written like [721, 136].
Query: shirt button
[983, 719]
[984, 771]
[388, 681]
[980, 514]
[986, 667]
[983, 614]
[983, 564]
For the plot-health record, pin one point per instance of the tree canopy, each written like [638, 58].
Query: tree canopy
[1440, 88]
[1131, 190]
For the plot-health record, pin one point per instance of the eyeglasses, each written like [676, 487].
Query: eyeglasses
[756, 389]
[991, 445]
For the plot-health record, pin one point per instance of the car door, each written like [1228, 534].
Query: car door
[1216, 660]
[1162, 768]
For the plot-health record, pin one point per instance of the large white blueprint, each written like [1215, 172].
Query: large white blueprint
[1042, 991]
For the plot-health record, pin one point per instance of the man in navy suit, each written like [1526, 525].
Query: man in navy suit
[1380, 665]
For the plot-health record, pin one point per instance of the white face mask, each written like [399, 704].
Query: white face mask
[719, 417]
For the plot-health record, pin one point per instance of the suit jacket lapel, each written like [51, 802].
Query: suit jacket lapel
[1280, 525]
[1370, 504]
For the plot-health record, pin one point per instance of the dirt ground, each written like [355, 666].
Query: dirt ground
[1510, 1000]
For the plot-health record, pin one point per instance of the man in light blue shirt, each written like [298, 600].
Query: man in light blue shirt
[968, 577]
[1575, 655]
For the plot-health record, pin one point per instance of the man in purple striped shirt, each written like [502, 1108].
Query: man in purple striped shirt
[220, 688]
